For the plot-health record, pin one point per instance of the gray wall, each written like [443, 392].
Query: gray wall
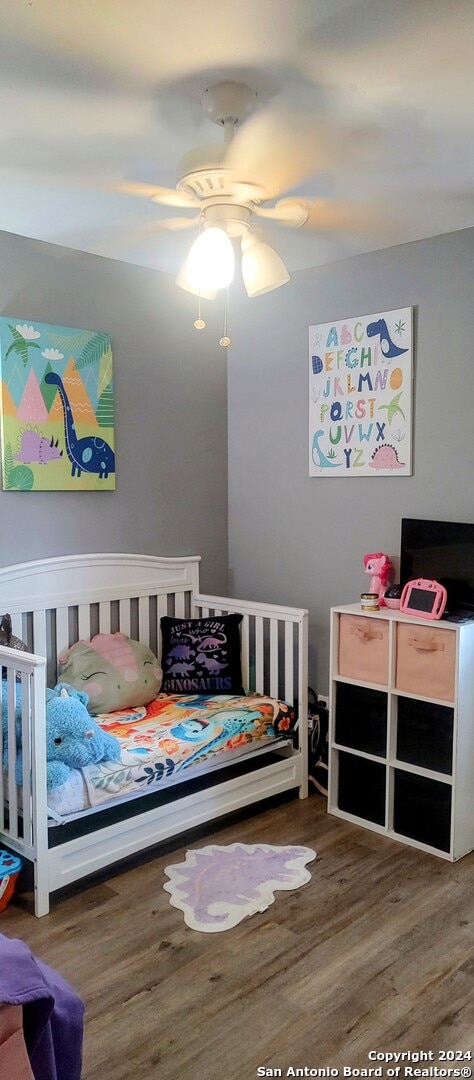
[301, 540]
[171, 414]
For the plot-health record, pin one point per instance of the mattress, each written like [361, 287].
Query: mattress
[171, 739]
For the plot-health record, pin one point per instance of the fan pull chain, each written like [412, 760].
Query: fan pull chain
[225, 341]
[199, 322]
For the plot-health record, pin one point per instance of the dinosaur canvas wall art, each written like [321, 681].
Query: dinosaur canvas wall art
[57, 407]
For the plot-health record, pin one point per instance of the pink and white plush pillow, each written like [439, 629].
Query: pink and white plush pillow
[114, 670]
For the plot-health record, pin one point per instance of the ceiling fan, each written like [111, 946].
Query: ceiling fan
[265, 153]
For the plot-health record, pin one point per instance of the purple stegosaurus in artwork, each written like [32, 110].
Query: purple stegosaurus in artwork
[216, 887]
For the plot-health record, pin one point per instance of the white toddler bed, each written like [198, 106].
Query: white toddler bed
[54, 603]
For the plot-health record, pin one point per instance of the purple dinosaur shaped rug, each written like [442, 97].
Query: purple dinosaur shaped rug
[216, 887]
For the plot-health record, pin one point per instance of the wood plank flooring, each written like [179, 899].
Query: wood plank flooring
[376, 952]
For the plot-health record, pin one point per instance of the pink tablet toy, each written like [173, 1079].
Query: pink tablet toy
[424, 598]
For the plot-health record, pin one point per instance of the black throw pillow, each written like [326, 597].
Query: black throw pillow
[201, 656]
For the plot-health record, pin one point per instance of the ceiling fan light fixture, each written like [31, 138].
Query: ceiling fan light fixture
[262, 268]
[210, 264]
[184, 283]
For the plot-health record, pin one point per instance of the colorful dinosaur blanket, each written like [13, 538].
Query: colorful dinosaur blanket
[164, 741]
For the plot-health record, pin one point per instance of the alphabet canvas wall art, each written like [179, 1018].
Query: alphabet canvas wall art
[57, 408]
[360, 396]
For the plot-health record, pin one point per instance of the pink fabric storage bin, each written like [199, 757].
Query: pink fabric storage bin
[363, 648]
[426, 661]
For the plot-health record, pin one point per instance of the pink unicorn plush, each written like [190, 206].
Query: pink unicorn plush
[381, 568]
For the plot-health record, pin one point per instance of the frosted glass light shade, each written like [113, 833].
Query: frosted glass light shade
[210, 263]
[184, 283]
[262, 268]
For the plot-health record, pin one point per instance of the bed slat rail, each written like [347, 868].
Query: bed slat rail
[51, 632]
[274, 649]
[24, 818]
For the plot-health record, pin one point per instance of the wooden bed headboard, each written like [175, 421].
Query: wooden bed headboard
[55, 602]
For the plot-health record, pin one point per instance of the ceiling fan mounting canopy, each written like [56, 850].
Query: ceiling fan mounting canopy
[202, 172]
[228, 102]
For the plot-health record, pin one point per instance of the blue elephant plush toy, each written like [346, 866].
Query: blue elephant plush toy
[73, 739]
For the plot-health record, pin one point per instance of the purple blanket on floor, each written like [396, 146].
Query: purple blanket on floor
[53, 1014]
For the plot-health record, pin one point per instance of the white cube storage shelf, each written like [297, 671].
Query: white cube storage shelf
[401, 734]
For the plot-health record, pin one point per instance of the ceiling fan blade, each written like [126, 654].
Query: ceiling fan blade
[113, 241]
[290, 212]
[178, 223]
[164, 196]
[280, 148]
[336, 215]
[153, 228]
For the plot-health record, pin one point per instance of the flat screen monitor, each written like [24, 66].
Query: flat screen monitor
[443, 550]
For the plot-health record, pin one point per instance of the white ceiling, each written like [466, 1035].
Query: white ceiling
[95, 92]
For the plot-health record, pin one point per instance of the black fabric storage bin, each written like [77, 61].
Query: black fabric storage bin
[361, 719]
[425, 734]
[422, 809]
[361, 789]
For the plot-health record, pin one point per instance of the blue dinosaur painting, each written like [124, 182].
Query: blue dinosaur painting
[89, 454]
[57, 404]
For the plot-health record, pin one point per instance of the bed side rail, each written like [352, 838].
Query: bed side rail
[274, 647]
[23, 806]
